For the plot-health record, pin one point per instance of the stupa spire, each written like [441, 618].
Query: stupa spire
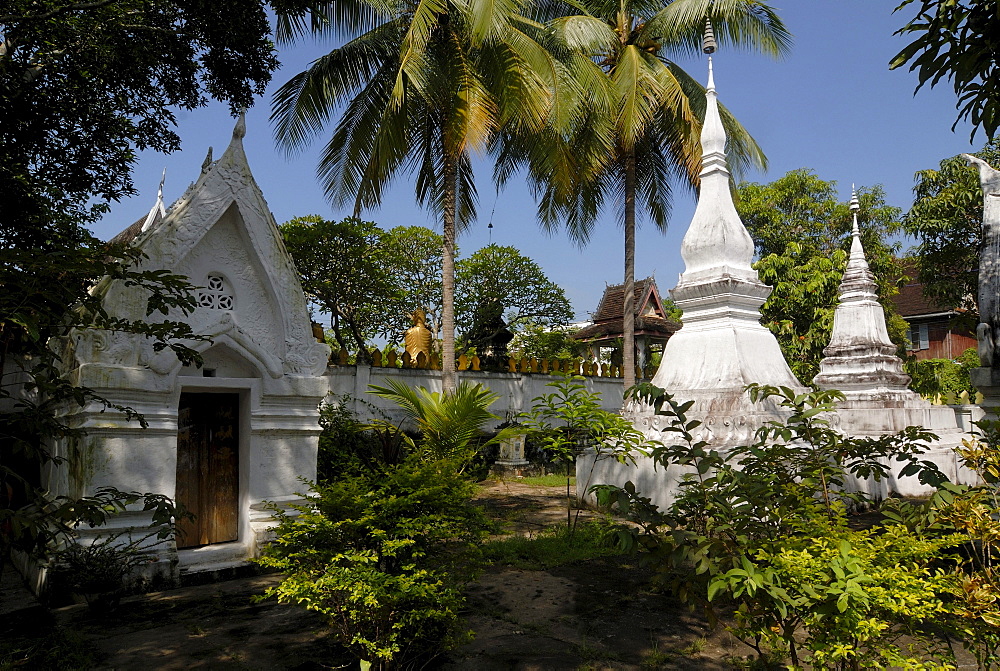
[857, 259]
[716, 241]
[860, 358]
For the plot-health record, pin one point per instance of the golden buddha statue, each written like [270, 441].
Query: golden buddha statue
[418, 337]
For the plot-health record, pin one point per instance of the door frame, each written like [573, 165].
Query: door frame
[221, 555]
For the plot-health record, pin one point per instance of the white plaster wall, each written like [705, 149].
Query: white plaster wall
[515, 390]
[661, 485]
[224, 251]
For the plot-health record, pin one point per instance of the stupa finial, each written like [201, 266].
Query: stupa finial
[708, 43]
[855, 206]
[857, 264]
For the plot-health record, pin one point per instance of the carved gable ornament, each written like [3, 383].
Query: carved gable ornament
[222, 235]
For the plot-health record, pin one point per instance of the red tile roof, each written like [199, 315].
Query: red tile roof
[910, 301]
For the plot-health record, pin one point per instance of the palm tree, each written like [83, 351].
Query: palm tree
[651, 136]
[418, 86]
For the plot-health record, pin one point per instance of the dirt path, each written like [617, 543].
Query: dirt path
[591, 615]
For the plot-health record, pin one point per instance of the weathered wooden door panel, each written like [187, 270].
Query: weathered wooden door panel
[208, 468]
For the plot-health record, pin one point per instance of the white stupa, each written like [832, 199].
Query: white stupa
[861, 360]
[722, 346]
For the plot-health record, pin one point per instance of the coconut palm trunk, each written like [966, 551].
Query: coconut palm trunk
[449, 378]
[628, 304]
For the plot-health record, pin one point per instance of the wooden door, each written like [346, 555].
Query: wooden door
[208, 468]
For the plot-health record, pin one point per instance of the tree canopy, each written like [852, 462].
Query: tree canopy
[417, 85]
[538, 342]
[366, 279]
[947, 220]
[503, 277]
[958, 41]
[85, 85]
[802, 234]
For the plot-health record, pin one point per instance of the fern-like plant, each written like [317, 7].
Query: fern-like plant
[448, 423]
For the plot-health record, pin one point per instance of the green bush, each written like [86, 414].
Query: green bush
[568, 421]
[346, 446]
[761, 533]
[970, 514]
[384, 557]
[930, 377]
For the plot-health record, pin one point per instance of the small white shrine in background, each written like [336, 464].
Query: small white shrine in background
[861, 362]
[241, 430]
[722, 347]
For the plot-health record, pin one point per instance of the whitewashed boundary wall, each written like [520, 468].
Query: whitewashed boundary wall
[515, 390]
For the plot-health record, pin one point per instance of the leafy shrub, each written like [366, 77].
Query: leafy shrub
[348, 446]
[570, 420]
[103, 569]
[970, 514]
[931, 377]
[762, 531]
[384, 557]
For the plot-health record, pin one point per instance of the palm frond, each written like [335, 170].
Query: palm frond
[303, 106]
[447, 423]
[413, 47]
[640, 92]
[746, 24]
[340, 19]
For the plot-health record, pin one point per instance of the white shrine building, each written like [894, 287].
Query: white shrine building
[241, 430]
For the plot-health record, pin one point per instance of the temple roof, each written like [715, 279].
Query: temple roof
[911, 301]
[650, 316]
[152, 218]
[609, 330]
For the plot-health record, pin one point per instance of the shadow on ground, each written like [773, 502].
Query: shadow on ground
[598, 614]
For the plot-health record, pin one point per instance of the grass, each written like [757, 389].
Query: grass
[696, 647]
[549, 480]
[656, 658]
[555, 547]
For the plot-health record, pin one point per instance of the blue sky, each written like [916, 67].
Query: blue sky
[831, 105]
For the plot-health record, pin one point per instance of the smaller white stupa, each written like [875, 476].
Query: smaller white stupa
[861, 360]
